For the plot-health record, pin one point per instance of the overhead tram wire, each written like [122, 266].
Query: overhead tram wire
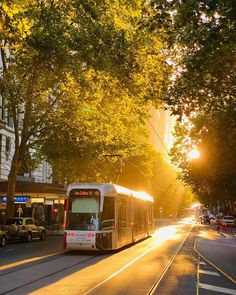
[161, 141]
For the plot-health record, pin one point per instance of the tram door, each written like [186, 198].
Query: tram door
[124, 221]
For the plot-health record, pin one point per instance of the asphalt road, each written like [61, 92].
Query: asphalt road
[132, 270]
[18, 252]
[220, 249]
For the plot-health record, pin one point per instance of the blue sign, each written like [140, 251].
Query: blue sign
[17, 199]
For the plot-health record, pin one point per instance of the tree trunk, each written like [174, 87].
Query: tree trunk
[11, 188]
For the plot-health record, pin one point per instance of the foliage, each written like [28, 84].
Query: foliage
[169, 192]
[201, 37]
[60, 58]
[212, 176]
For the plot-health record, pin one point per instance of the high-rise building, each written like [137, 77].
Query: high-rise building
[161, 127]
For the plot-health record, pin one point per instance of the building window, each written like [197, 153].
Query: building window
[2, 109]
[10, 121]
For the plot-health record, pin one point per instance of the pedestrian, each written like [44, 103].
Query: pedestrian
[223, 226]
[218, 224]
[20, 211]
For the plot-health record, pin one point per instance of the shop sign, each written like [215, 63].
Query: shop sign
[17, 199]
[37, 200]
[48, 202]
[59, 202]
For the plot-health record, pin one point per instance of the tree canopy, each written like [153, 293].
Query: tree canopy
[201, 39]
[77, 78]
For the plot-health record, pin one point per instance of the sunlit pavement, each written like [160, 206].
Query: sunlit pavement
[220, 248]
[130, 271]
[181, 277]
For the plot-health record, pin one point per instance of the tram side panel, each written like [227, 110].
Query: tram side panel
[124, 220]
[150, 218]
[106, 239]
[140, 227]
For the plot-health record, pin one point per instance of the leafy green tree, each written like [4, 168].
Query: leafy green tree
[212, 176]
[201, 38]
[52, 52]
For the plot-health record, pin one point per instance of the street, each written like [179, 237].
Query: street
[15, 252]
[182, 257]
[133, 270]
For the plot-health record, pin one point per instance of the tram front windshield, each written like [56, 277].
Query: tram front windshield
[83, 212]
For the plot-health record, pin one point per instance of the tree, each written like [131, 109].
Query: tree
[50, 48]
[108, 121]
[212, 176]
[201, 37]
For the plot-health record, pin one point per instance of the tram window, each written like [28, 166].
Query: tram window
[83, 213]
[108, 213]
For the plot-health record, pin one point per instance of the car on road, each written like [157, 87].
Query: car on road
[24, 229]
[3, 238]
[205, 219]
[228, 220]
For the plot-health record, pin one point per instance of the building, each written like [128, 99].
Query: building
[161, 126]
[35, 192]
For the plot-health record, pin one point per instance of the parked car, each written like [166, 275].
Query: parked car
[212, 216]
[24, 229]
[205, 219]
[228, 220]
[3, 238]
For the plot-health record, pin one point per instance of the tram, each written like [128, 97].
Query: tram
[106, 216]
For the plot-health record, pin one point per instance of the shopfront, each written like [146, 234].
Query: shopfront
[44, 202]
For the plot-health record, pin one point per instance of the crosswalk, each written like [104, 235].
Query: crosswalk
[211, 281]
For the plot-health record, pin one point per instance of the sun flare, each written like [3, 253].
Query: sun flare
[193, 154]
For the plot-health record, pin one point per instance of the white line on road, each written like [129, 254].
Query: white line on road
[206, 272]
[217, 289]
[202, 263]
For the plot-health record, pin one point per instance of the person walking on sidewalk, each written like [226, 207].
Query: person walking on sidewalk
[218, 224]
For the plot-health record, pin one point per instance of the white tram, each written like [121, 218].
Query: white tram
[106, 216]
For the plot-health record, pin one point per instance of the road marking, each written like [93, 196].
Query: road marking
[212, 264]
[202, 263]
[206, 272]
[217, 289]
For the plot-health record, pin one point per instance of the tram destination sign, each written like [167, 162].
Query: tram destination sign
[85, 193]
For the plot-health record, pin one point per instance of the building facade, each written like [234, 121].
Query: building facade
[35, 192]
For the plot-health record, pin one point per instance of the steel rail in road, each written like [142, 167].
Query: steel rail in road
[155, 285]
[48, 275]
[176, 252]
[68, 267]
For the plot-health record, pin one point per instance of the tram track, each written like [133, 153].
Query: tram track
[160, 279]
[152, 290]
[43, 276]
[16, 266]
